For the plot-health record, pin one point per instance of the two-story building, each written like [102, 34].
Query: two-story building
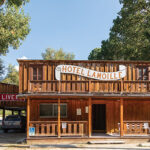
[85, 98]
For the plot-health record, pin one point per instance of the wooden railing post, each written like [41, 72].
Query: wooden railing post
[121, 117]
[121, 86]
[28, 115]
[59, 118]
[90, 86]
[90, 116]
[29, 86]
[59, 86]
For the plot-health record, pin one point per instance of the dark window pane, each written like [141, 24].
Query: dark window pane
[143, 73]
[46, 110]
[40, 73]
[140, 74]
[34, 73]
[63, 110]
[55, 110]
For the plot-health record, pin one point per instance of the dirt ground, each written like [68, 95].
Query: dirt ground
[8, 141]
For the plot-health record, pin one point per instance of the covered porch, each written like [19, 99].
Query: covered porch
[124, 116]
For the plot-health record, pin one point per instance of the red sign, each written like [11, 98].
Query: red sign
[9, 97]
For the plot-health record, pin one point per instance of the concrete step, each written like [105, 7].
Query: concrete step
[107, 142]
[144, 145]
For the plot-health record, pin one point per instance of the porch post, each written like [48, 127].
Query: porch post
[121, 117]
[90, 116]
[28, 115]
[3, 114]
[58, 117]
[12, 111]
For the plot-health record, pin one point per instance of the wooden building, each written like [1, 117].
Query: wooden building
[9, 100]
[85, 98]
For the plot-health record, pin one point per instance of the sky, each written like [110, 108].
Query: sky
[77, 26]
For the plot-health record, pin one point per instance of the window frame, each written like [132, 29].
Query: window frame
[40, 67]
[143, 75]
[53, 111]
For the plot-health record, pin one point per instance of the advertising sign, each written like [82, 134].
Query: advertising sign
[70, 69]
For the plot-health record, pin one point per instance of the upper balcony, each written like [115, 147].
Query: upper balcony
[39, 76]
[89, 86]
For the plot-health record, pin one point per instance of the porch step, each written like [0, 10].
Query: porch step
[107, 142]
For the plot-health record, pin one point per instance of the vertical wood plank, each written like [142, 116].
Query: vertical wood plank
[90, 116]
[20, 78]
[25, 78]
[28, 115]
[121, 117]
[58, 117]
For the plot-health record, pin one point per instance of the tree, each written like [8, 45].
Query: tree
[52, 54]
[12, 76]
[14, 24]
[129, 38]
[94, 54]
[13, 2]
[1, 69]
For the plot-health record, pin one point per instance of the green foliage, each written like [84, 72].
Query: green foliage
[12, 76]
[1, 69]
[13, 2]
[52, 54]
[94, 54]
[129, 38]
[14, 25]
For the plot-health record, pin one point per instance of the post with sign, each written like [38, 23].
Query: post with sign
[28, 115]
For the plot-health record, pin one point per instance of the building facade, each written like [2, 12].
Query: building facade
[85, 98]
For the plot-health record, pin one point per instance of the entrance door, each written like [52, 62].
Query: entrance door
[99, 117]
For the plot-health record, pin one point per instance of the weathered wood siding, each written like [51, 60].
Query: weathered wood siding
[134, 110]
[8, 88]
[26, 71]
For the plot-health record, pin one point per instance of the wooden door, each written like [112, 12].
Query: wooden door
[99, 117]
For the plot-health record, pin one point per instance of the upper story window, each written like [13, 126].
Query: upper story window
[142, 73]
[37, 73]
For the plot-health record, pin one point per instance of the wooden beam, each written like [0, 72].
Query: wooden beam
[28, 115]
[90, 117]
[59, 118]
[121, 117]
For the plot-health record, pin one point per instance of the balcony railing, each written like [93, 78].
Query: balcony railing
[67, 128]
[92, 86]
[136, 127]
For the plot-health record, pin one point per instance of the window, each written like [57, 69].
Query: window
[51, 110]
[142, 73]
[37, 73]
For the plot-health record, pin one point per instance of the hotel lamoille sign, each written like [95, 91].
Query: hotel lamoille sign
[70, 69]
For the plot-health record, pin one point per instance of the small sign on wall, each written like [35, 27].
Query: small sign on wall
[86, 109]
[31, 131]
[64, 125]
[78, 111]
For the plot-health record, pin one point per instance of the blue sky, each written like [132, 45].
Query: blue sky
[77, 26]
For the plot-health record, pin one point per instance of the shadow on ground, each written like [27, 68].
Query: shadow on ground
[11, 137]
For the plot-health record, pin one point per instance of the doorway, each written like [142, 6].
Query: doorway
[99, 118]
